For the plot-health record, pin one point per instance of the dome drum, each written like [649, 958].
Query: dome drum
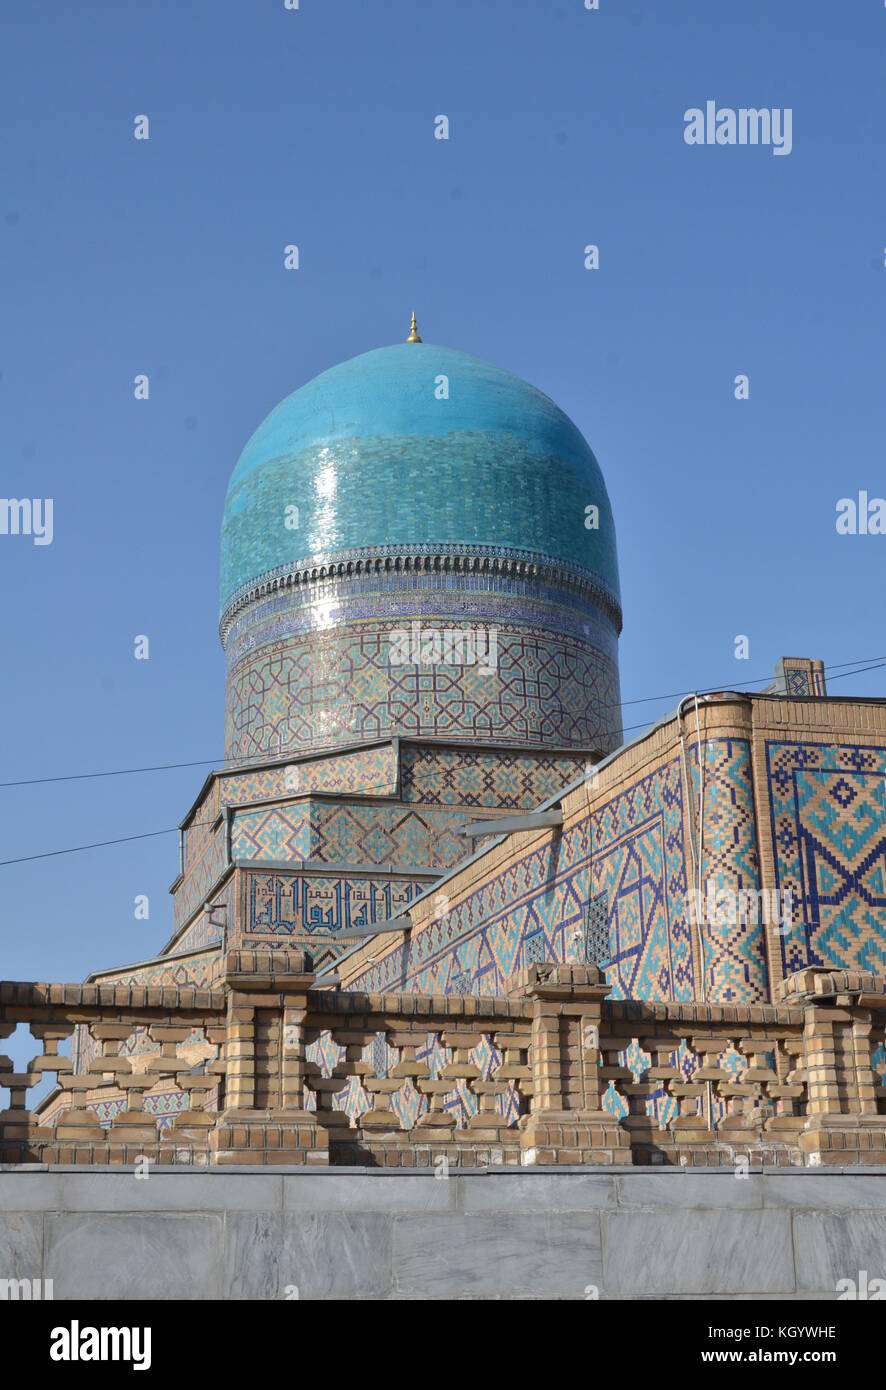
[366, 505]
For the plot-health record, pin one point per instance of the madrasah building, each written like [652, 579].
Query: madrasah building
[432, 902]
[425, 783]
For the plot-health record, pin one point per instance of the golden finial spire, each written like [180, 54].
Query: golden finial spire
[413, 331]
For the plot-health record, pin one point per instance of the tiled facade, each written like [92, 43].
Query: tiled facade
[530, 911]
[297, 683]
[638, 863]
[798, 813]
[828, 818]
[365, 772]
[361, 818]
[197, 969]
[735, 947]
[345, 832]
[314, 907]
[478, 778]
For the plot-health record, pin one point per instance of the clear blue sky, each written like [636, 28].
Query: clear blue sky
[315, 126]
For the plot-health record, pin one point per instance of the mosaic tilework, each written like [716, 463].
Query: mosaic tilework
[106, 1111]
[348, 833]
[434, 1055]
[162, 1107]
[461, 1103]
[202, 932]
[369, 771]
[484, 778]
[538, 901]
[273, 832]
[735, 964]
[165, 1105]
[828, 817]
[196, 970]
[326, 1054]
[409, 1105]
[381, 1057]
[639, 863]
[614, 1103]
[356, 446]
[533, 909]
[353, 1099]
[798, 676]
[425, 589]
[278, 904]
[193, 891]
[199, 833]
[331, 685]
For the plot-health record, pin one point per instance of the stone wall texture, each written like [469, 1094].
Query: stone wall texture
[198, 1234]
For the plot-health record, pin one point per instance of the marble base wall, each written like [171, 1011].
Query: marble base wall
[363, 1234]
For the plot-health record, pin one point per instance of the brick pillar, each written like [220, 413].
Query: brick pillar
[268, 996]
[842, 1124]
[566, 1122]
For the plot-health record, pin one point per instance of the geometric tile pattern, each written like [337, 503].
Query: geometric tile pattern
[325, 1053]
[486, 1057]
[462, 1103]
[165, 1105]
[197, 970]
[203, 931]
[434, 1055]
[349, 833]
[509, 1103]
[614, 1103]
[483, 777]
[537, 901]
[106, 1111]
[353, 1099]
[408, 1104]
[324, 688]
[828, 816]
[369, 771]
[381, 1056]
[199, 878]
[735, 959]
[638, 863]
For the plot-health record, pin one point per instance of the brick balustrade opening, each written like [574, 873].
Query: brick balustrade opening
[264, 1067]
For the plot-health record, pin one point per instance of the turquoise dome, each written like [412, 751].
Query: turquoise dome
[373, 458]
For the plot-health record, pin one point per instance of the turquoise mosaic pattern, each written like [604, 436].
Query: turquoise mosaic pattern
[371, 457]
[366, 771]
[735, 952]
[202, 932]
[828, 817]
[632, 853]
[197, 970]
[532, 911]
[199, 879]
[638, 863]
[326, 689]
[408, 1102]
[496, 779]
[351, 833]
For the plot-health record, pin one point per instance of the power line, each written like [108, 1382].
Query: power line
[878, 662]
[229, 764]
[98, 844]
[378, 786]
